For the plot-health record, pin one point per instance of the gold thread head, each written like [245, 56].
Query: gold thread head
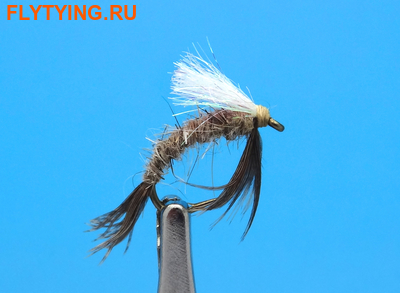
[265, 119]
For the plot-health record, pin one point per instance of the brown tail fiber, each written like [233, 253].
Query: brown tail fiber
[119, 223]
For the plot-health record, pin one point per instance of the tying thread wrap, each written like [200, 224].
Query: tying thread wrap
[262, 116]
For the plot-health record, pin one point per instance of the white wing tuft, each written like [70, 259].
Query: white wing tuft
[196, 82]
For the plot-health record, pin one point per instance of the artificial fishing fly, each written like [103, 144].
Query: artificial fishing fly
[233, 115]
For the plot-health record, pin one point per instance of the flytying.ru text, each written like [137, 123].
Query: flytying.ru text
[72, 12]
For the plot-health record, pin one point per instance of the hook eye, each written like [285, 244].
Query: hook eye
[276, 125]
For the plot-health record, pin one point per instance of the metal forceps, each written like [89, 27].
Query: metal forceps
[173, 246]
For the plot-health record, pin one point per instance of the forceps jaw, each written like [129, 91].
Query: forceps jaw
[173, 246]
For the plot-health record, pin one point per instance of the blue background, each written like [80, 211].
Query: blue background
[78, 98]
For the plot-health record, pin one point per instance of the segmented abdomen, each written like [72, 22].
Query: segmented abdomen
[206, 128]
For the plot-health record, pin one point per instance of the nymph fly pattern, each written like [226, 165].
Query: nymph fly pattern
[233, 115]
